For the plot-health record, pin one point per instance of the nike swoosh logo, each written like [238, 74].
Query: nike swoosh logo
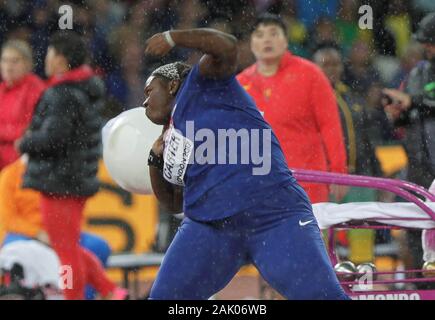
[304, 223]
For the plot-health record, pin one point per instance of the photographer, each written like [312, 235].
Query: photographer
[414, 110]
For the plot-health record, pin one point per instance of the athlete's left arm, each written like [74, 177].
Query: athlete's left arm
[220, 49]
[169, 195]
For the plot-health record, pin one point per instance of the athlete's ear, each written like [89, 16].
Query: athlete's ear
[173, 87]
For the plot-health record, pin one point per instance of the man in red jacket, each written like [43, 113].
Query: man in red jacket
[298, 102]
[19, 93]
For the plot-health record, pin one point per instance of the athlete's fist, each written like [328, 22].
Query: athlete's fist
[157, 45]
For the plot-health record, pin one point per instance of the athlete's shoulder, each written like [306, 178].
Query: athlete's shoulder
[194, 72]
[195, 80]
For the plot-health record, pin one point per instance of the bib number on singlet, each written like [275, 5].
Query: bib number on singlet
[176, 156]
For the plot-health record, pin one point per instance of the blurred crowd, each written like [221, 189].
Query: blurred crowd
[116, 32]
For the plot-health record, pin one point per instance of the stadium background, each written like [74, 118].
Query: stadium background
[116, 32]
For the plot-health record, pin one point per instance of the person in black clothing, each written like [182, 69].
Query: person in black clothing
[361, 157]
[63, 146]
[414, 109]
[360, 150]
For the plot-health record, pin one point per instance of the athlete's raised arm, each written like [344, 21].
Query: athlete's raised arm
[219, 48]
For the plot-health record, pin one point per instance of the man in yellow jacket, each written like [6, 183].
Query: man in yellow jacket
[20, 215]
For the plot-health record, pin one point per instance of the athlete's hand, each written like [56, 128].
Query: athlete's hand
[157, 46]
[159, 144]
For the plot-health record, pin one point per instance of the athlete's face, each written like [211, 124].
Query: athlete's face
[330, 62]
[268, 42]
[158, 100]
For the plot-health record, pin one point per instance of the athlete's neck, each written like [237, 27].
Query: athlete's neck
[268, 68]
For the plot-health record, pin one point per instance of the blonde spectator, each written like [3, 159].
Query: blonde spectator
[19, 93]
